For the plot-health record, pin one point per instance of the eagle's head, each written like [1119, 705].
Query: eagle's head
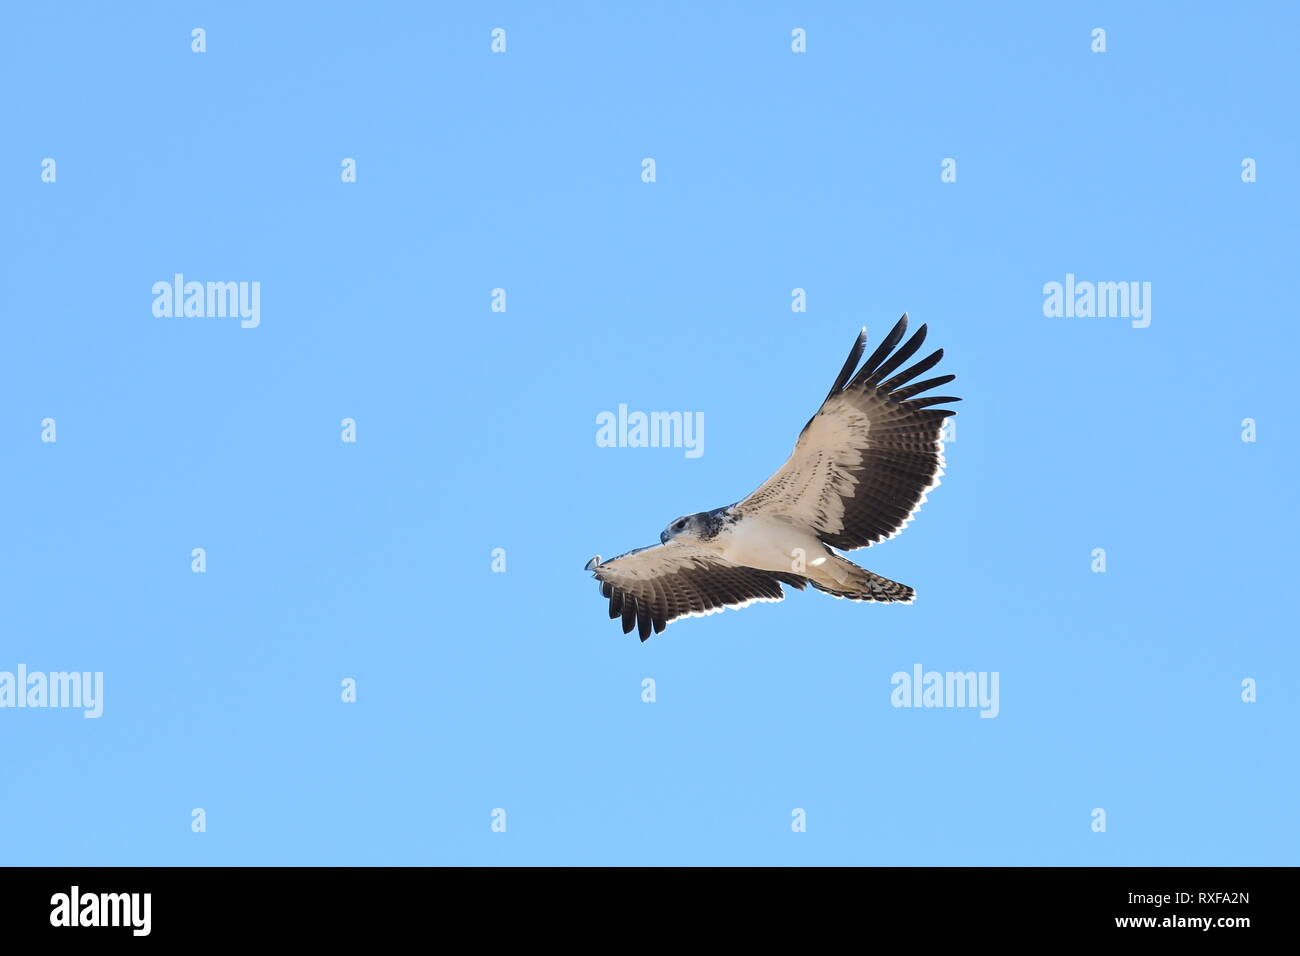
[686, 527]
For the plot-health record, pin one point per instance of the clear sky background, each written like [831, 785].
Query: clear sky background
[476, 429]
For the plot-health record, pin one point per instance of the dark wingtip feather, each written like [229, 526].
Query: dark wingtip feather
[884, 348]
[932, 400]
[905, 376]
[850, 364]
[891, 364]
[903, 394]
[935, 415]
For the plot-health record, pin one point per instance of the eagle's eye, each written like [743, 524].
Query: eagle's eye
[679, 525]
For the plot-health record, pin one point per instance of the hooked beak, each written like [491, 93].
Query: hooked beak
[592, 564]
[663, 537]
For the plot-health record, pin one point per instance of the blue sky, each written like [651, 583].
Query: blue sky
[476, 430]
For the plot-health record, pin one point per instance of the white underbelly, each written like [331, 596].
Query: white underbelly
[769, 544]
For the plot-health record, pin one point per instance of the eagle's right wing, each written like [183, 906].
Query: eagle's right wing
[863, 464]
[652, 587]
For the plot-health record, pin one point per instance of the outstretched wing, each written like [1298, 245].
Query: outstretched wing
[651, 587]
[863, 464]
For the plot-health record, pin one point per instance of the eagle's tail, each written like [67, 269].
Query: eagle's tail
[844, 579]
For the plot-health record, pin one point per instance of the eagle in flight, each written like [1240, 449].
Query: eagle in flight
[859, 472]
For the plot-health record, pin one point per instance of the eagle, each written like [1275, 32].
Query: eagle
[859, 472]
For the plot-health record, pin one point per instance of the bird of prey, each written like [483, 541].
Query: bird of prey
[860, 470]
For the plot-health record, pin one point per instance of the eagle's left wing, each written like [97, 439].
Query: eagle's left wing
[863, 464]
[652, 587]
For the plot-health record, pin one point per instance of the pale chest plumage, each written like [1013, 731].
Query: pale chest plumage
[769, 543]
